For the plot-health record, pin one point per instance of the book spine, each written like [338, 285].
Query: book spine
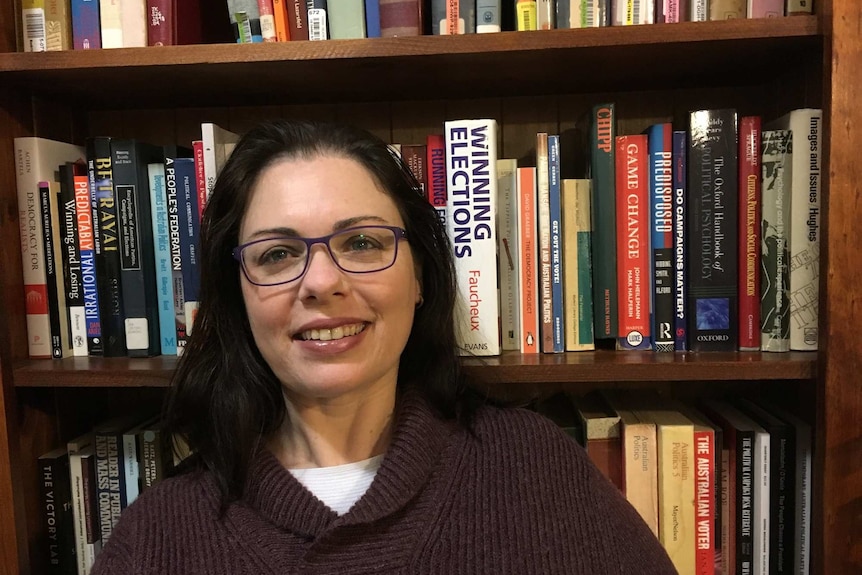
[775, 275]
[633, 283]
[137, 260]
[89, 274]
[577, 247]
[528, 282]
[402, 18]
[86, 30]
[160, 23]
[109, 482]
[152, 458]
[804, 223]
[507, 247]
[543, 224]
[51, 272]
[680, 258]
[544, 15]
[372, 18]
[765, 8]
[76, 477]
[727, 9]
[670, 11]
[471, 162]
[162, 253]
[415, 156]
[633, 12]
[107, 249]
[131, 468]
[297, 19]
[762, 498]
[267, 20]
[661, 234]
[797, 7]
[603, 173]
[58, 26]
[712, 232]
[92, 531]
[750, 203]
[437, 194]
[564, 13]
[279, 10]
[699, 10]
[111, 23]
[557, 266]
[33, 25]
[56, 506]
[526, 14]
[72, 268]
[488, 16]
[134, 22]
[677, 494]
[189, 229]
[705, 500]
[318, 27]
[173, 206]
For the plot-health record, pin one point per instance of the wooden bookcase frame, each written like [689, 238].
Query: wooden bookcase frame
[402, 88]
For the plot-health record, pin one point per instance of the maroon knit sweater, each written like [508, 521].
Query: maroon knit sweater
[515, 496]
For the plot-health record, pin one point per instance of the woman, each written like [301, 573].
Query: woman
[321, 395]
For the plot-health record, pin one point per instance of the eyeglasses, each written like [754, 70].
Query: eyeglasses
[279, 260]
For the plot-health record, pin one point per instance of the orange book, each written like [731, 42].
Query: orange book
[282, 30]
[528, 284]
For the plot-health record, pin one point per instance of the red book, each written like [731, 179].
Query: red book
[173, 22]
[750, 203]
[297, 19]
[633, 242]
[200, 176]
[415, 156]
[400, 18]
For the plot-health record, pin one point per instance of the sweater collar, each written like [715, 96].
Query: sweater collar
[417, 443]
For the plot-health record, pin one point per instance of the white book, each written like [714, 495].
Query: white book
[699, 10]
[761, 500]
[79, 450]
[508, 256]
[471, 167]
[133, 16]
[632, 12]
[804, 224]
[218, 143]
[36, 160]
[111, 23]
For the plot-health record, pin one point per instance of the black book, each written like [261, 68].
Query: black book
[73, 271]
[57, 315]
[712, 231]
[55, 492]
[137, 251]
[108, 265]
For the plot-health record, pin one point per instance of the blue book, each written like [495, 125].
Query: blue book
[86, 26]
[162, 250]
[189, 223]
[372, 18]
[554, 204]
[680, 147]
[661, 234]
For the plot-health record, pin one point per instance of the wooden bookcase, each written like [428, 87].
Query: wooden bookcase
[402, 89]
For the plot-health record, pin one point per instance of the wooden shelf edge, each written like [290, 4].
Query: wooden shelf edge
[508, 368]
[502, 42]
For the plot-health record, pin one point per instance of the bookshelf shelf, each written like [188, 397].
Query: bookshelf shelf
[509, 368]
[476, 65]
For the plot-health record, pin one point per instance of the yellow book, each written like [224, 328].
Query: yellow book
[527, 14]
[675, 446]
[577, 273]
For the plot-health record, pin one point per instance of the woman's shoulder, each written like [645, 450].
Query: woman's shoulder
[175, 499]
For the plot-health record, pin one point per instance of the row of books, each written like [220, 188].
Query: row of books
[725, 484]
[702, 239]
[109, 237]
[50, 25]
[85, 485]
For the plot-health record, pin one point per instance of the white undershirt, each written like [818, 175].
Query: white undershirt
[339, 486]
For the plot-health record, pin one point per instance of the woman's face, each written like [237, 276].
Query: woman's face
[290, 322]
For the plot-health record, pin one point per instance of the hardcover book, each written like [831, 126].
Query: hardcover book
[176, 252]
[661, 234]
[346, 19]
[162, 253]
[488, 16]
[806, 126]
[712, 232]
[81, 473]
[37, 159]
[471, 165]
[775, 260]
[86, 27]
[189, 238]
[543, 223]
[750, 204]
[61, 345]
[632, 12]
[218, 143]
[603, 443]
[400, 18]
[55, 492]
[577, 284]
[244, 18]
[175, 22]
[633, 243]
[556, 238]
[727, 9]
[137, 254]
[111, 23]
[765, 8]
